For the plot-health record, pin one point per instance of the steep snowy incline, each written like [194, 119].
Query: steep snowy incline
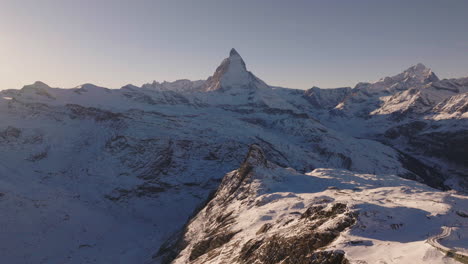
[263, 213]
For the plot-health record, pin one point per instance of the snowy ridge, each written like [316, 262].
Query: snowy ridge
[263, 213]
[326, 98]
[419, 100]
[389, 94]
[414, 76]
[177, 86]
[454, 107]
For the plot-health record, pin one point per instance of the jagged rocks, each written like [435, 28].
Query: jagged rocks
[207, 245]
[328, 257]
[283, 247]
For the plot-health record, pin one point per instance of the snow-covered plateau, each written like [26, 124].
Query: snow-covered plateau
[232, 170]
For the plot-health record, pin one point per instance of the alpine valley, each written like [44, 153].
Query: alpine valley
[232, 170]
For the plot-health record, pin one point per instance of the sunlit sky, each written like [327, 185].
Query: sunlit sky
[297, 44]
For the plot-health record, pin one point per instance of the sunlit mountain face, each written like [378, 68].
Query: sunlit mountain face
[233, 170]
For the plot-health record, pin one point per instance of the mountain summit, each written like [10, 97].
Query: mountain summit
[231, 74]
[421, 73]
[413, 76]
[36, 85]
[233, 52]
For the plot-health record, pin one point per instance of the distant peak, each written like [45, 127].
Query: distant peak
[88, 86]
[38, 88]
[129, 86]
[37, 85]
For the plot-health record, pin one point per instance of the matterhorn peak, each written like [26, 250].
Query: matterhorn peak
[232, 73]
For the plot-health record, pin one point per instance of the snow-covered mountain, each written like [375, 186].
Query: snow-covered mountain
[416, 90]
[96, 175]
[414, 112]
[263, 213]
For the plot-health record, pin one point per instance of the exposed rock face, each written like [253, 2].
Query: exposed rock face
[308, 237]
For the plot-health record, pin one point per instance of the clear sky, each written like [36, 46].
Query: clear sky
[295, 44]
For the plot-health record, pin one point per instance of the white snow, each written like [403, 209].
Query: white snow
[396, 216]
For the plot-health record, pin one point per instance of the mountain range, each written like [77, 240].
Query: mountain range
[233, 170]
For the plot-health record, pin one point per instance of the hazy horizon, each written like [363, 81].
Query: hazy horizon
[294, 45]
